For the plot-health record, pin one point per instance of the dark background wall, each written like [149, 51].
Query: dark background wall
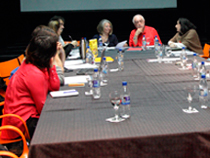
[16, 27]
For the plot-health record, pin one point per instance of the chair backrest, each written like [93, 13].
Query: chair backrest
[7, 66]
[8, 153]
[206, 49]
[25, 146]
[27, 135]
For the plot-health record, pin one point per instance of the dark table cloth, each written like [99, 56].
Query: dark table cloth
[76, 126]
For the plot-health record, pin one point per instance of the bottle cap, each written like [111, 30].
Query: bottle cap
[194, 54]
[202, 62]
[120, 49]
[183, 47]
[88, 47]
[104, 58]
[159, 44]
[203, 76]
[124, 83]
[84, 38]
[95, 70]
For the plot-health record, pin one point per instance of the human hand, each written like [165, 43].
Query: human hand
[138, 31]
[74, 43]
[125, 45]
[59, 46]
[172, 45]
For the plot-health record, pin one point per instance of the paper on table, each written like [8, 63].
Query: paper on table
[134, 49]
[76, 79]
[164, 59]
[177, 53]
[72, 62]
[120, 45]
[80, 66]
[74, 54]
[65, 93]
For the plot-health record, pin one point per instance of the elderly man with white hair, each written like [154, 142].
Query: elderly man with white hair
[141, 30]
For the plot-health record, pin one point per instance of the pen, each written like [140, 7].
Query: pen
[70, 38]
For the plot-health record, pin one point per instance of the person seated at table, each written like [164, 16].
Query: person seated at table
[67, 47]
[105, 30]
[60, 55]
[27, 90]
[136, 35]
[186, 36]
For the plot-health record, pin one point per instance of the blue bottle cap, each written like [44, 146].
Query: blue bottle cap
[159, 44]
[183, 47]
[202, 62]
[88, 47]
[120, 49]
[194, 54]
[104, 58]
[124, 83]
[203, 76]
[95, 70]
[84, 38]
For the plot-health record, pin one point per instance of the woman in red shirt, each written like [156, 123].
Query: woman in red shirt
[27, 90]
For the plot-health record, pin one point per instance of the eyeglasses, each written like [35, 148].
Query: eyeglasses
[141, 21]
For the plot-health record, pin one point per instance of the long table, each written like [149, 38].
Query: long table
[76, 127]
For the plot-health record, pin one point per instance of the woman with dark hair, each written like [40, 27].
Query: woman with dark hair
[186, 36]
[105, 30]
[27, 90]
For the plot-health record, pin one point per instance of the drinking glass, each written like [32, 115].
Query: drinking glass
[190, 91]
[168, 53]
[115, 101]
[89, 90]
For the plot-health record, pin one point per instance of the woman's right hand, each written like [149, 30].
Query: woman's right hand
[74, 43]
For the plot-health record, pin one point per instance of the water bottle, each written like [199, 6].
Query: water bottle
[96, 85]
[89, 56]
[100, 43]
[144, 43]
[105, 70]
[156, 48]
[183, 58]
[86, 42]
[160, 53]
[120, 58]
[156, 40]
[203, 92]
[125, 97]
[195, 66]
[202, 69]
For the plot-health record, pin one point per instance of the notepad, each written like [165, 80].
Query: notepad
[65, 93]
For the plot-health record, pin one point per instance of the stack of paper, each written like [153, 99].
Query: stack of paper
[65, 93]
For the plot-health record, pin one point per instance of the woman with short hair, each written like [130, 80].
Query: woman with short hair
[28, 88]
[186, 36]
[105, 30]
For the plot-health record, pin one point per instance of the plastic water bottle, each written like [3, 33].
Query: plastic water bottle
[105, 70]
[156, 42]
[156, 47]
[86, 42]
[125, 97]
[160, 53]
[96, 85]
[195, 66]
[202, 69]
[144, 43]
[203, 92]
[120, 58]
[89, 56]
[100, 43]
[183, 58]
